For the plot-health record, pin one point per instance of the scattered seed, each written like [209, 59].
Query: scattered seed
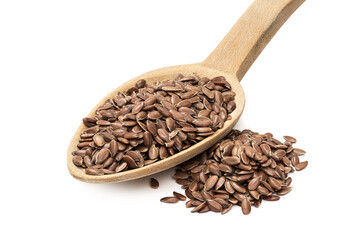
[154, 183]
[169, 200]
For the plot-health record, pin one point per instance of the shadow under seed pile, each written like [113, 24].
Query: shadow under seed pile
[243, 169]
[150, 122]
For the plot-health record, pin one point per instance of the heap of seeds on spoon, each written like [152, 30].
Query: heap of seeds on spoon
[242, 169]
[150, 122]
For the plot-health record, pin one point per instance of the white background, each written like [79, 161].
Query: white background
[59, 58]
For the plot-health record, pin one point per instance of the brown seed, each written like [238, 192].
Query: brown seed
[265, 148]
[93, 171]
[246, 206]
[154, 115]
[220, 182]
[181, 175]
[250, 152]
[210, 182]
[254, 183]
[140, 83]
[284, 191]
[301, 165]
[170, 123]
[137, 108]
[154, 183]
[279, 154]
[169, 200]
[197, 195]
[131, 135]
[188, 204]
[228, 187]
[179, 196]
[271, 172]
[225, 210]
[276, 184]
[199, 207]
[202, 122]
[189, 129]
[89, 122]
[272, 198]
[238, 187]
[177, 115]
[288, 181]
[151, 126]
[148, 140]
[102, 156]
[163, 134]
[153, 152]
[225, 168]
[183, 182]
[214, 206]
[78, 161]
[129, 123]
[130, 161]
[290, 139]
[298, 151]
[122, 166]
[295, 160]
[231, 106]
[231, 160]
[99, 140]
[286, 161]
[194, 186]
[107, 171]
[163, 152]
[113, 147]
[255, 194]
[262, 190]
[150, 101]
[184, 103]
[87, 161]
[108, 162]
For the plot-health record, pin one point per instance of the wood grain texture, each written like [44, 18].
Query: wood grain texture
[232, 58]
[251, 33]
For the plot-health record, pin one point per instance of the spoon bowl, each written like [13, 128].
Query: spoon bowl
[231, 59]
[154, 76]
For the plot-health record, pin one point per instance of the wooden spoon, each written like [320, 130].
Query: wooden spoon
[232, 58]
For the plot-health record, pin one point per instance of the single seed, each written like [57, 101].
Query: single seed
[154, 183]
[169, 200]
[93, 171]
[290, 139]
[301, 165]
[214, 206]
[99, 140]
[210, 182]
[284, 191]
[179, 196]
[254, 183]
[78, 161]
[245, 206]
[231, 160]
[271, 198]
[298, 151]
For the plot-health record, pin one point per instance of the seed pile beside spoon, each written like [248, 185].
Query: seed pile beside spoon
[242, 169]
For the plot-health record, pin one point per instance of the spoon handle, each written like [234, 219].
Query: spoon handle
[251, 33]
